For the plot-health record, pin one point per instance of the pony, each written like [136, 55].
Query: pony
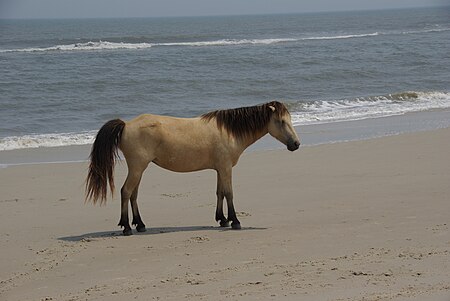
[214, 140]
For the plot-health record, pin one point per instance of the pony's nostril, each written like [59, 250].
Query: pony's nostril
[293, 145]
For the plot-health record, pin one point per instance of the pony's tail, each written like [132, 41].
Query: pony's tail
[104, 153]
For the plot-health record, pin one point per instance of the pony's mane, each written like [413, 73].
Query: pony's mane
[246, 121]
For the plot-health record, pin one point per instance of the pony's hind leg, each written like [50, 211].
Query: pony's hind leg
[130, 185]
[124, 222]
[140, 226]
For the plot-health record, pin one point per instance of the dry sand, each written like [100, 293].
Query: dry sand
[366, 220]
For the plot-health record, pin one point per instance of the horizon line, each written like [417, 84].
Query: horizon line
[229, 15]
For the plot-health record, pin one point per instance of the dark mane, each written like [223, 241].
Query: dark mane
[246, 121]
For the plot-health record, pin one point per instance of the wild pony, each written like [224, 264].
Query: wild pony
[214, 140]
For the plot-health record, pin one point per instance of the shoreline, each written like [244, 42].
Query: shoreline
[356, 220]
[310, 135]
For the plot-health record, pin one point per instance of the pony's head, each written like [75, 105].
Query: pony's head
[280, 126]
[247, 123]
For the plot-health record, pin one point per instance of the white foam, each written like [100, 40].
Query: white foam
[106, 45]
[303, 113]
[226, 42]
[46, 140]
[343, 36]
[89, 46]
[368, 107]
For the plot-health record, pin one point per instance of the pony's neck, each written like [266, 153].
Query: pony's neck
[253, 138]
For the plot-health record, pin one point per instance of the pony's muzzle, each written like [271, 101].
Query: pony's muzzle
[293, 145]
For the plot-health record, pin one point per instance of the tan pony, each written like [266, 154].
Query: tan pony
[212, 141]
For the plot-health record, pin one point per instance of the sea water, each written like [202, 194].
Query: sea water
[60, 80]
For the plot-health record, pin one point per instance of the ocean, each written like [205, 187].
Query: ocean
[60, 80]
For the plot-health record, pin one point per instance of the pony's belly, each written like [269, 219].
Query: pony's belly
[183, 161]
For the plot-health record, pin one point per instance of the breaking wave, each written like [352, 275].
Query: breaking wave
[46, 140]
[106, 45]
[303, 113]
[343, 36]
[325, 111]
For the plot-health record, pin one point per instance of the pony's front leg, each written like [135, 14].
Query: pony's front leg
[220, 217]
[235, 223]
[227, 188]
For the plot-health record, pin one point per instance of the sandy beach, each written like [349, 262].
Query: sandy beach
[362, 220]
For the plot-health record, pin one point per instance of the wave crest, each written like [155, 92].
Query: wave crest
[46, 140]
[344, 36]
[303, 112]
[106, 45]
[313, 112]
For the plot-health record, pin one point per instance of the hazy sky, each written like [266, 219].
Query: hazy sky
[157, 8]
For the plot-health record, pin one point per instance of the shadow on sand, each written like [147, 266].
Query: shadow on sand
[152, 231]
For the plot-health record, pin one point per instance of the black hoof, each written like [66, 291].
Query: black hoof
[224, 224]
[141, 228]
[236, 226]
[127, 232]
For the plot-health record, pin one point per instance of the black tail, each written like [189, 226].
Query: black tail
[103, 156]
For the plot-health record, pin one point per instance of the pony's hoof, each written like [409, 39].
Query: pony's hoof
[224, 224]
[236, 226]
[127, 232]
[141, 228]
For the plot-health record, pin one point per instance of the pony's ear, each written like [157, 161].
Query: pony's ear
[272, 108]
